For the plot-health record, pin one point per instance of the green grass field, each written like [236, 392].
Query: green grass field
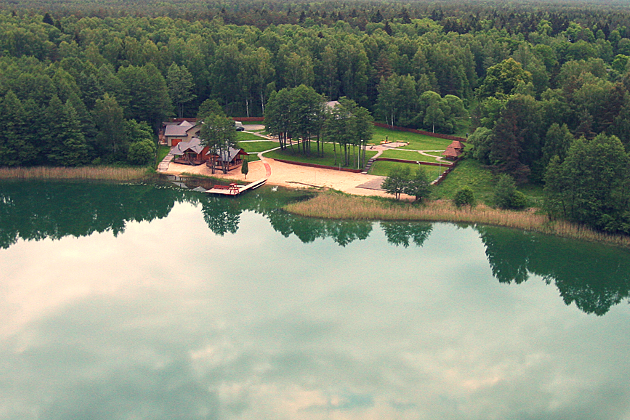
[383, 168]
[416, 141]
[241, 135]
[408, 155]
[469, 173]
[294, 155]
[482, 181]
[254, 147]
[161, 153]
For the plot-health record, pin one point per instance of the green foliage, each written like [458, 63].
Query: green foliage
[504, 79]
[591, 185]
[464, 197]
[141, 152]
[208, 107]
[245, 168]
[541, 78]
[397, 181]
[419, 185]
[217, 132]
[481, 140]
[439, 113]
[515, 143]
[506, 196]
[180, 85]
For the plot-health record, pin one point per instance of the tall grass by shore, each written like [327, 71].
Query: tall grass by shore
[86, 172]
[334, 205]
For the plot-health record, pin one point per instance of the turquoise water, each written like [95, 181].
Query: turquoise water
[145, 302]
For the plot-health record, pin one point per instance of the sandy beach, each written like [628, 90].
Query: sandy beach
[294, 176]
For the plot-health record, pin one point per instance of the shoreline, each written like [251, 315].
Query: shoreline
[335, 205]
[330, 203]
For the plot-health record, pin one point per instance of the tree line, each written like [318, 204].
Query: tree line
[81, 86]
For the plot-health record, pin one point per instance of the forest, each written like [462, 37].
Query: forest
[541, 88]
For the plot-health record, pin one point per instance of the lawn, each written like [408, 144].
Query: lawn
[534, 192]
[408, 155]
[383, 168]
[416, 141]
[241, 135]
[162, 152]
[294, 155]
[471, 173]
[254, 147]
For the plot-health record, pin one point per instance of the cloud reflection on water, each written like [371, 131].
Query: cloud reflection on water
[169, 320]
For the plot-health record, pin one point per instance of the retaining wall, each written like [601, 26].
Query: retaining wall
[414, 162]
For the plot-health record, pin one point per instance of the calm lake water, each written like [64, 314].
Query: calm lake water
[145, 302]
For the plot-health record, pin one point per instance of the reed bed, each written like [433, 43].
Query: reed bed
[86, 172]
[338, 206]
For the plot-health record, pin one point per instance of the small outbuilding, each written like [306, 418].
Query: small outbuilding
[454, 150]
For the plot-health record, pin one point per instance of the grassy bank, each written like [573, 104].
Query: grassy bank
[333, 205]
[100, 173]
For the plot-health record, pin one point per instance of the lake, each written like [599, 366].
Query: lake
[151, 302]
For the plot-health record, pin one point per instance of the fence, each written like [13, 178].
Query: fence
[248, 119]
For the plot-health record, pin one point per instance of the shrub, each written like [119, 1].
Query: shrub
[464, 197]
[141, 152]
[506, 196]
[518, 200]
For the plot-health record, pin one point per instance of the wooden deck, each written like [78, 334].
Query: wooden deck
[234, 189]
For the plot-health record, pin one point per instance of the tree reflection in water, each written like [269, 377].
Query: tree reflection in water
[403, 233]
[38, 210]
[595, 277]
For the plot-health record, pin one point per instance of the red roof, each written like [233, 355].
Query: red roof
[454, 150]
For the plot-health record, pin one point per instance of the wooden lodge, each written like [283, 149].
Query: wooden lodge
[233, 157]
[194, 153]
[190, 152]
[179, 130]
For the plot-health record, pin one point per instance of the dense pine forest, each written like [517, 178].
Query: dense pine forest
[542, 88]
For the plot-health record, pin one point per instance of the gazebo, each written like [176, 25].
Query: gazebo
[454, 150]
